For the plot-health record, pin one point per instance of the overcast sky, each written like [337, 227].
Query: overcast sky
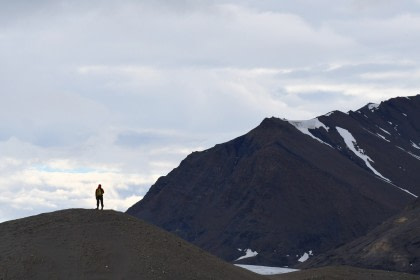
[119, 92]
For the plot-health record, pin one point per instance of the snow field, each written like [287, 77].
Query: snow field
[266, 270]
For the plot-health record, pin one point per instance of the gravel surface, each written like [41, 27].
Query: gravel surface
[344, 273]
[94, 244]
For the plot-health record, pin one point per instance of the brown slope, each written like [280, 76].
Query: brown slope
[92, 244]
[394, 245]
[344, 273]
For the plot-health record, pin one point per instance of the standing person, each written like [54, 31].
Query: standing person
[99, 193]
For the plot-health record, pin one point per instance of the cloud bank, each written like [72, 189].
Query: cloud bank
[118, 92]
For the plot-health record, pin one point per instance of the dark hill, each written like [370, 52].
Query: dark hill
[288, 188]
[90, 244]
[394, 245]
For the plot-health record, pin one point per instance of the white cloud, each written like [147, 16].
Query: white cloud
[32, 188]
[120, 92]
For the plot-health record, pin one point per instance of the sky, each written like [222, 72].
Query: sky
[119, 92]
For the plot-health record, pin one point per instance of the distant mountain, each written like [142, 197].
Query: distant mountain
[394, 245]
[93, 244]
[290, 190]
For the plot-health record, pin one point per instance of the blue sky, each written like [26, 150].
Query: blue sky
[119, 92]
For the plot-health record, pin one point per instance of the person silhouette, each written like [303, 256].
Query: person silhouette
[99, 193]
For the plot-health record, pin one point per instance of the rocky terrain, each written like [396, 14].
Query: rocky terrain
[394, 245]
[289, 190]
[344, 273]
[94, 244]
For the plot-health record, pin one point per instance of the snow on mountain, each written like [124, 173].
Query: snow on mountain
[304, 127]
[410, 153]
[267, 270]
[383, 137]
[414, 145]
[385, 131]
[372, 107]
[248, 254]
[352, 145]
[305, 256]
[282, 193]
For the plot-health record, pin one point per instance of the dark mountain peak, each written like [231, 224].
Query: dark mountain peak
[288, 187]
[402, 105]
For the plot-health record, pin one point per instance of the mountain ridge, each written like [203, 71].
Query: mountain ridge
[290, 187]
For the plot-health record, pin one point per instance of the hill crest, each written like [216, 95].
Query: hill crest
[94, 244]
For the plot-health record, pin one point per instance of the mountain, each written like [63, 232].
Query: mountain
[394, 245]
[289, 190]
[94, 244]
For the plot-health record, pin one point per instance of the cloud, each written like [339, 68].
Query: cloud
[398, 41]
[29, 188]
[120, 92]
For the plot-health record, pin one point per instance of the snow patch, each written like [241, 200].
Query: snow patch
[384, 130]
[383, 137]
[266, 270]
[304, 126]
[407, 191]
[352, 145]
[410, 153]
[405, 115]
[309, 124]
[372, 107]
[248, 254]
[414, 155]
[414, 145]
[305, 256]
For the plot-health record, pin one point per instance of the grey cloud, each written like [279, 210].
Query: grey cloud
[320, 97]
[347, 71]
[136, 85]
[148, 37]
[136, 139]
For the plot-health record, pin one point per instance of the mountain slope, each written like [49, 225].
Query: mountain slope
[90, 244]
[344, 273]
[394, 245]
[290, 188]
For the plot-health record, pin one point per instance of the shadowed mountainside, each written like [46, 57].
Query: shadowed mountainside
[288, 189]
[93, 244]
[394, 245]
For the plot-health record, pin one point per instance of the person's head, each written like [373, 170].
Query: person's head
[99, 186]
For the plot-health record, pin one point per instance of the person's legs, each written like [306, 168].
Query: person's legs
[97, 202]
[102, 202]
